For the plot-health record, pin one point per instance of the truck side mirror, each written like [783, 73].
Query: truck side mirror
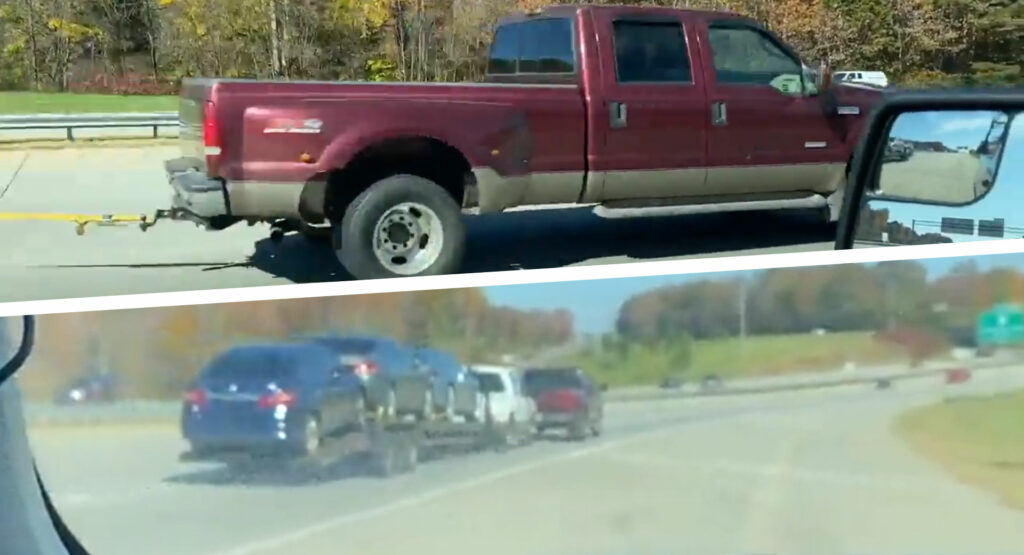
[929, 169]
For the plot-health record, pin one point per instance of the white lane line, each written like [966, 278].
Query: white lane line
[430, 495]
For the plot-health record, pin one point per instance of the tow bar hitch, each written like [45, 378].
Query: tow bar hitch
[145, 221]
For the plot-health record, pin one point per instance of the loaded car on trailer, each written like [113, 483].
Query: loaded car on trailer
[623, 107]
[299, 402]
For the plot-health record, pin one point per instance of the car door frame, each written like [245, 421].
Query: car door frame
[623, 169]
[813, 166]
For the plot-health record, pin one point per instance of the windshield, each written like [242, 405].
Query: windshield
[490, 383]
[539, 381]
[349, 346]
[251, 364]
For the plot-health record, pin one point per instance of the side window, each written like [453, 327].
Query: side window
[546, 46]
[504, 50]
[746, 56]
[651, 52]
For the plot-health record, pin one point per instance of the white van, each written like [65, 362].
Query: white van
[510, 407]
[872, 78]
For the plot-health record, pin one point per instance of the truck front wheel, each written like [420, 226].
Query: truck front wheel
[403, 225]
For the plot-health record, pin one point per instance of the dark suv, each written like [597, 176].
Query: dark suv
[567, 399]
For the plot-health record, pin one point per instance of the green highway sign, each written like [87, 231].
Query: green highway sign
[1002, 325]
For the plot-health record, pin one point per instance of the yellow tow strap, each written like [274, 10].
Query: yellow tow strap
[81, 220]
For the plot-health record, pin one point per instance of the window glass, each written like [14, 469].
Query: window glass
[745, 56]
[651, 52]
[546, 46]
[504, 50]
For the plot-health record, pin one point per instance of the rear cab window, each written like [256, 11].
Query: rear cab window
[490, 382]
[651, 52]
[539, 381]
[538, 49]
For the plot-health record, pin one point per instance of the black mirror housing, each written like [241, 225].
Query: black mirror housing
[25, 346]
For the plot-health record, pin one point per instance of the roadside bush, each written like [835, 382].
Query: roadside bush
[918, 343]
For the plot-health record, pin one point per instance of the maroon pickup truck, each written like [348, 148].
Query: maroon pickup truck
[623, 107]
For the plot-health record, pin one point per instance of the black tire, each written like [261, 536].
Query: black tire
[353, 238]
[596, 428]
[310, 446]
[578, 430]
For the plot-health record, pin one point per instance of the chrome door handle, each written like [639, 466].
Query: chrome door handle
[617, 114]
[719, 117]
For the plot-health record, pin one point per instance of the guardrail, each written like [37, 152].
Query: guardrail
[70, 122]
[141, 411]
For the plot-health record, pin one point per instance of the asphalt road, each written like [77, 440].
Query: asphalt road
[46, 260]
[799, 473]
[949, 177]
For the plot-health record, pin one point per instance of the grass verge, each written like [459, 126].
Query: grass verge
[12, 103]
[978, 440]
[766, 355]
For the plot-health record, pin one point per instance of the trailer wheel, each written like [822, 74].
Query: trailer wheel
[403, 225]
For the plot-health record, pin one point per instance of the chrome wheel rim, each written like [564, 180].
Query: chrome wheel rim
[408, 238]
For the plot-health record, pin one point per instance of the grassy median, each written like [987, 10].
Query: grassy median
[69, 103]
[979, 440]
[761, 355]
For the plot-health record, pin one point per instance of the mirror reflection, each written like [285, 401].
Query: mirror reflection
[945, 177]
[942, 157]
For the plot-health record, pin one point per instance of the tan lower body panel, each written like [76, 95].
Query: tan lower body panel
[657, 187]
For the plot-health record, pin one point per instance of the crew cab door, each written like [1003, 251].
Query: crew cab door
[769, 132]
[651, 120]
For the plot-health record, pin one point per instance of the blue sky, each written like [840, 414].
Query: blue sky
[966, 128]
[595, 304]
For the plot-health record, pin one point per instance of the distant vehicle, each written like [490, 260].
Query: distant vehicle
[672, 382]
[711, 382]
[96, 388]
[898, 150]
[873, 78]
[270, 399]
[393, 381]
[567, 399]
[508, 405]
[456, 391]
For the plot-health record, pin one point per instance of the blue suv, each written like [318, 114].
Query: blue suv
[270, 398]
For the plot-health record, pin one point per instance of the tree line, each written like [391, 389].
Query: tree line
[852, 297]
[147, 46]
[156, 350]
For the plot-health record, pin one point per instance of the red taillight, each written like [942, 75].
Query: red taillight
[277, 398]
[365, 369]
[211, 134]
[195, 397]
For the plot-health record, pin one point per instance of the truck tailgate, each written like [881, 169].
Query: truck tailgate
[191, 107]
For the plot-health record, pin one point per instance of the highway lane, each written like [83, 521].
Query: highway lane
[950, 177]
[46, 260]
[811, 472]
